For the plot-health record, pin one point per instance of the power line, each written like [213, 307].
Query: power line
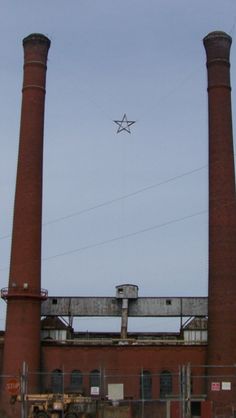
[5, 236]
[119, 198]
[120, 237]
[231, 32]
[126, 196]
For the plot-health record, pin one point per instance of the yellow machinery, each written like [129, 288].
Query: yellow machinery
[51, 405]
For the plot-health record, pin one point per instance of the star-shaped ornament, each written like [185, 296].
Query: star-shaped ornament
[124, 124]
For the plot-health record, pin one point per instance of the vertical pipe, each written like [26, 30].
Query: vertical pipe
[24, 295]
[222, 210]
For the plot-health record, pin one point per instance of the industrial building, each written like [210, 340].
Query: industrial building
[189, 373]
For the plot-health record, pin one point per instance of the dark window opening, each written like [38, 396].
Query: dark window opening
[165, 384]
[196, 408]
[146, 385]
[76, 381]
[57, 381]
[94, 378]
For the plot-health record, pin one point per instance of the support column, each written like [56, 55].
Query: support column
[124, 318]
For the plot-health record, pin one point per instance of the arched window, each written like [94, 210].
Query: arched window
[94, 378]
[76, 380]
[165, 383]
[57, 381]
[146, 385]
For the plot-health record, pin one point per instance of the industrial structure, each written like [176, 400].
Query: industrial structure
[191, 372]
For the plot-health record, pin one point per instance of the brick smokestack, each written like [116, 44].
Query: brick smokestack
[24, 295]
[222, 212]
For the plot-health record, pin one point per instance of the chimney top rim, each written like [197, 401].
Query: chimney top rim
[217, 34]
[36, 37]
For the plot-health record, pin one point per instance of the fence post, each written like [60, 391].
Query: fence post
[188, 391]
[23, 386]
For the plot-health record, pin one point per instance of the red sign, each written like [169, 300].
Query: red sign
[215, 386]
[13, 386]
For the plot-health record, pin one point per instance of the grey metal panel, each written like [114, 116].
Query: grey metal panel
[81, 306]
[191, 306]
[141, 307]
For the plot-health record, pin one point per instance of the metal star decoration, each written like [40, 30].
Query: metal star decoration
[124, 124]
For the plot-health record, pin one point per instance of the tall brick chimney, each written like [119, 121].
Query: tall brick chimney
[24, 294]
[222, 213]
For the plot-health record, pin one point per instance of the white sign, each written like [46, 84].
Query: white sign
[115, 391]
[226, 386]
[94, 390]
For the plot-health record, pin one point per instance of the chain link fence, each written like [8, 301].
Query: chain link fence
[184, 392]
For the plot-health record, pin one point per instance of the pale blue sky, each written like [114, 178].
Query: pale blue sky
[144, 58]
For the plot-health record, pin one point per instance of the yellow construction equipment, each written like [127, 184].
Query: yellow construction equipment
[51, 405]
